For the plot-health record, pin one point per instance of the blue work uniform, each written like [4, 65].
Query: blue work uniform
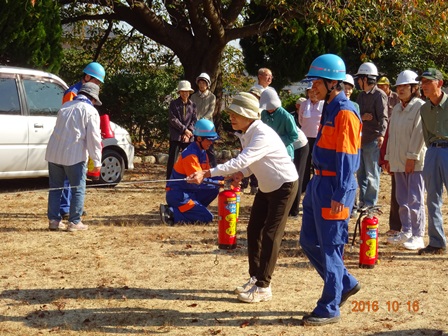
[336, 157]
[189, 201]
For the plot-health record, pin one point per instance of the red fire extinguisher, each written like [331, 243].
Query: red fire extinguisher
[228, 211]
[368, 249]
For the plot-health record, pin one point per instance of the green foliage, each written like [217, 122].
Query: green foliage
[289, 101]
[394, 34]
[31, 34]
[287, 50]
[139, 102]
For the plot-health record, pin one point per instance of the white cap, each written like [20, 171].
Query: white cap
[269, 100]
[246, 105]
[205, 77]
[184, 85]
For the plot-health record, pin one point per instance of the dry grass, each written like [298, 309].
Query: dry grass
[130, 274]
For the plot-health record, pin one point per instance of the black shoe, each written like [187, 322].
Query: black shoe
[351, 292]
[432, 250]
[166, 215]
[314, 320]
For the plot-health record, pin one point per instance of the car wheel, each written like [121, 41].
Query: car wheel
[112, 168]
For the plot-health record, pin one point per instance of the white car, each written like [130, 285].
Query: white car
[29, 103]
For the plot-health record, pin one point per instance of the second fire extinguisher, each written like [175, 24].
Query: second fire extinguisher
[368, 227]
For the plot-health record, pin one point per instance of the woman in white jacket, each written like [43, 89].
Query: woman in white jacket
[264, 154]
[405, 154]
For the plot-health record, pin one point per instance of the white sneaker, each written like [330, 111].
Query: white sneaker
[248, 285]
[414, 243]
[256, 294]
[399, 238]
[72, 227]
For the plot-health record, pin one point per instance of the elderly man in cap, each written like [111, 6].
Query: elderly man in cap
[434, 115]
[76, 136]
[264, 155]
[181, 120]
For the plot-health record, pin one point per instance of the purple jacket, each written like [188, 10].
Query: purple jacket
[180, 121]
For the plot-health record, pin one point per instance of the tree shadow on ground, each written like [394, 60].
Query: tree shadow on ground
[51, 312]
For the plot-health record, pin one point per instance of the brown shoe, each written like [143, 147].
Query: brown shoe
[55, 225]
[432, 250]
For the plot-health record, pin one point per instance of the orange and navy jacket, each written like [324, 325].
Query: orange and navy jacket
[192, 159]
[71, 92]
[338, 144]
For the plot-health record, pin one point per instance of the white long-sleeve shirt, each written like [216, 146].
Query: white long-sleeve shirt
[406, 137]
[76, 135]
[309, 117]
[264, 155]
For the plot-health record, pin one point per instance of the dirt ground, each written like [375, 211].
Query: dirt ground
[129, 274]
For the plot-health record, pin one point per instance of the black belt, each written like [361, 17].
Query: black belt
[439, 144]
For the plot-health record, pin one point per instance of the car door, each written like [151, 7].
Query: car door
[13, 127]
[43, 98]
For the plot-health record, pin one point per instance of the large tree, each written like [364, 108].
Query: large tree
[30, 34]
[197, 31]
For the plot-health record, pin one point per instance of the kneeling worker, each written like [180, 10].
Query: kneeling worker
[187, 203]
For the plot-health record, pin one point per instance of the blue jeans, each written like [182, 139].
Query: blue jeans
[76, 175]
[369, 174]
[435, 174]
[65, 199]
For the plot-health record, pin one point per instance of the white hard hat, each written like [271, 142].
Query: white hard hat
[349, 80]
[205, 77]
[407, 77]
[367, 69]
[184, 85]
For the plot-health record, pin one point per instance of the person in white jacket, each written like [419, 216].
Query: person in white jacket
[405, 155]
[75, 138]
[264, 155]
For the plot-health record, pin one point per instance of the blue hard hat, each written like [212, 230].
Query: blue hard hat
[96, 70]
[328, 66]
[205, 129]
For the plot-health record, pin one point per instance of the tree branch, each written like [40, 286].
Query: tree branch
[103, 39]
[249, 30]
